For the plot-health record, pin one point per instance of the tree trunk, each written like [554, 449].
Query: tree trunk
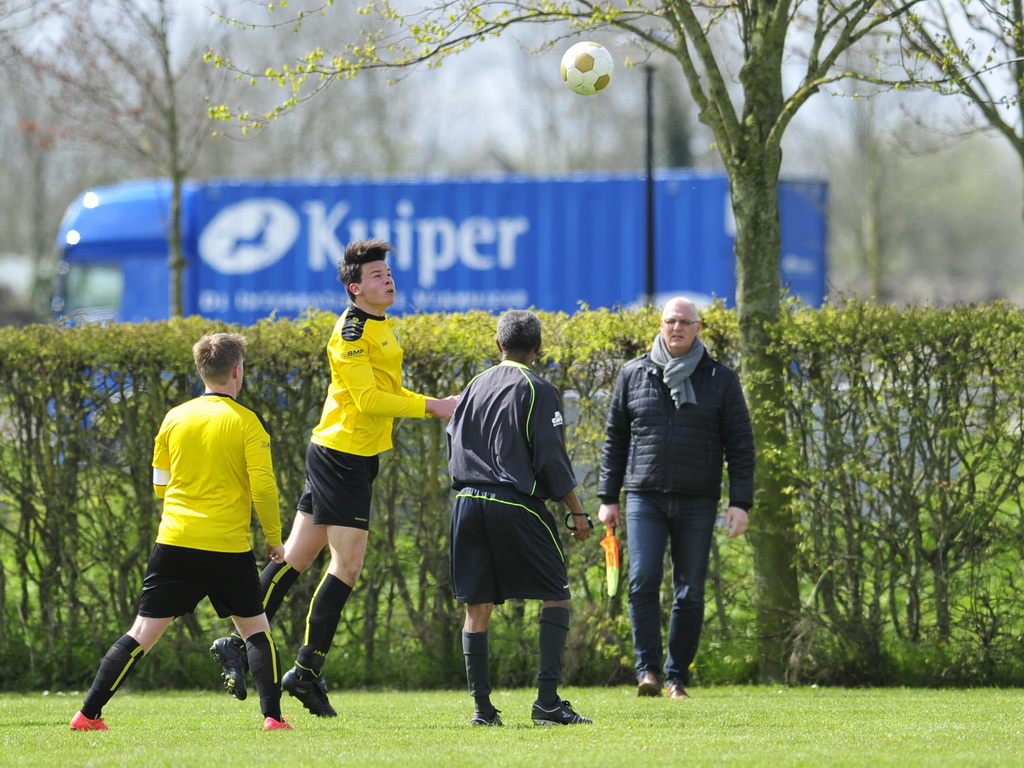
[175, 252]
[773, 524]
[176, 159]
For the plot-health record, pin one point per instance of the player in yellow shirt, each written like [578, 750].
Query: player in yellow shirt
[211, 465]
[364, 397]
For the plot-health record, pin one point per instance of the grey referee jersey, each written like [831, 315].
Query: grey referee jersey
[508, 430]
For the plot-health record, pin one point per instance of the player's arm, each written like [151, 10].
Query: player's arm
[352, 364]
[439, 407]
[262, 484]
[161, 463]
[161, 477]
[442, 408]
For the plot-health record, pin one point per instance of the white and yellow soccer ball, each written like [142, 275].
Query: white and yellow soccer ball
[587, 68]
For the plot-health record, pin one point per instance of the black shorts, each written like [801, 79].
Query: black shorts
[338, 485]
[177, 578]
[504, 545]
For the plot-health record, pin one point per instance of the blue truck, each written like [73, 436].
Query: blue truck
[256, 248]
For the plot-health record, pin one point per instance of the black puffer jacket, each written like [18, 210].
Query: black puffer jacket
[653, 446]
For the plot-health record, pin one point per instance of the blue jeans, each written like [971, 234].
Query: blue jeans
[686, 524]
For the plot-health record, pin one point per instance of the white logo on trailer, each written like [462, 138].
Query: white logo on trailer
[249, 236]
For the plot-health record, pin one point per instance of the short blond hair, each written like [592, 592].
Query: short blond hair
[216, 354]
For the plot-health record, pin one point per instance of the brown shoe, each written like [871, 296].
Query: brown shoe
[648, 685]
[676, 691]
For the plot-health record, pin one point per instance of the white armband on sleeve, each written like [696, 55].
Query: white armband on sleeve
[161, 476]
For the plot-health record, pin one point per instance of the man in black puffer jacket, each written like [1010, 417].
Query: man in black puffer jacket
[676, 418]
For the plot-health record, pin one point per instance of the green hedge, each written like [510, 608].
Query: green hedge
[905, 458]
[906, 434]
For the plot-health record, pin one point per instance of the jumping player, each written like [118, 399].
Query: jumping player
[364, 397]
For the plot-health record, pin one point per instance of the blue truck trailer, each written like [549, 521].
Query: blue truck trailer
[260, 247]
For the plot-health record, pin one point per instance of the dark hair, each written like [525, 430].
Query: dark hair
[360, 252]
[519, 331]
[216, 354]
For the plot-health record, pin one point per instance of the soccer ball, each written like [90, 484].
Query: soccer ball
[587, 68]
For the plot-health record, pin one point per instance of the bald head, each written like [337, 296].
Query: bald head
[680, 306]
[680, 325]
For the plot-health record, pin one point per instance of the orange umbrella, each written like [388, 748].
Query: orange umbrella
[612, 560]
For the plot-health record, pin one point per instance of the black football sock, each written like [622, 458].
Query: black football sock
[265, 665]
[554, 631]
[117, 664]
[276, 579]
[478, 671]
[324, 614]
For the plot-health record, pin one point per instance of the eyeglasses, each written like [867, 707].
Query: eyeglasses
[672, 322]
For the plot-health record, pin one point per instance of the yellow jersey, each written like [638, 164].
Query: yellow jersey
[366, 393]
[217, 452]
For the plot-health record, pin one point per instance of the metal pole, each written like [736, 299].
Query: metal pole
[649, 161]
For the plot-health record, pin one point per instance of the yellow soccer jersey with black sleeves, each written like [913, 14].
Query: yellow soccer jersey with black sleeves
[218, 454]
[366, 392]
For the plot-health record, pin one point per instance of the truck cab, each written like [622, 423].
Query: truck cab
[113, 253]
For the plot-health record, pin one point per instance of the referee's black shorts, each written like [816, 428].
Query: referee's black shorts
[177, 578]
[504, 545]
[338, 487]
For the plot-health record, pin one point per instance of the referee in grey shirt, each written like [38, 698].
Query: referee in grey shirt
[506, 455]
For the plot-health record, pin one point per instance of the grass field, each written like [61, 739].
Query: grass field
[735, 726]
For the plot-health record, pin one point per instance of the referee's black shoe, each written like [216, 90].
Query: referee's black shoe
[560, 714]
[234, 663]
[311, 692]
[479, 718]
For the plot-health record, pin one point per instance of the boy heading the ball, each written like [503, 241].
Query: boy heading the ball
[211, 466]
[364, 398]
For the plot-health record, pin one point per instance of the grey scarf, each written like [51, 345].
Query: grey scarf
[676, 371]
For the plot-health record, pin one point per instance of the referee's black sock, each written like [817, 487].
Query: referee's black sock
[478, 671]
[265, 665]
[276, 579]
[554, 631]
[324, 614]
[115, 667]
